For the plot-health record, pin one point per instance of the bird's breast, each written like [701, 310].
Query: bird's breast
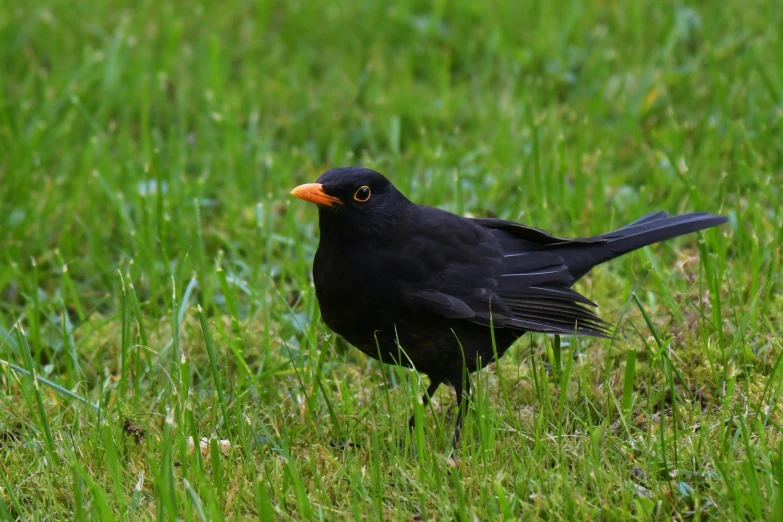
[354, 293]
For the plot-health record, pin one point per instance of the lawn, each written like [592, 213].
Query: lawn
[161, 348]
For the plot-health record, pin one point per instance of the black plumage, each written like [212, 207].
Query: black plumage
[419, 287]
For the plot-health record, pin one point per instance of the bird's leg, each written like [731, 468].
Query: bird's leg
[425, 399]
[463, 398]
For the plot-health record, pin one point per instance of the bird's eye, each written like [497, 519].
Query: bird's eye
[362, 194]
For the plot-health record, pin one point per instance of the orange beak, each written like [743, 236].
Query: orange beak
[314, 193]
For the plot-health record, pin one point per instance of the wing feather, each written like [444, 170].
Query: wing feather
[483, 277]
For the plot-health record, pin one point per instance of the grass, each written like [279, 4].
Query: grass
[155, 274]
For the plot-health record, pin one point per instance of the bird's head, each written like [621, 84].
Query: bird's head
[354, 202]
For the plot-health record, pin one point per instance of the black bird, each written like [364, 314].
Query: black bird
[419, 287]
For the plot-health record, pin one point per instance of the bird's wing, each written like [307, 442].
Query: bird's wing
[469, 275]
[541, 238]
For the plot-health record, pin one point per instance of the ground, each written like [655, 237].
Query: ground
[155, 273]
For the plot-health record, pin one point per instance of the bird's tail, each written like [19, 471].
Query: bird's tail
[645, 231]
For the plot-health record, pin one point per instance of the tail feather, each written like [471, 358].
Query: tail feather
[631, 238]
[646, 219]
[645, 231]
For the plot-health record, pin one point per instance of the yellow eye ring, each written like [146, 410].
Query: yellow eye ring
[362, 194]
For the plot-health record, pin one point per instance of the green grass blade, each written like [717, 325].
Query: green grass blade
[43, 417]
[213, 364]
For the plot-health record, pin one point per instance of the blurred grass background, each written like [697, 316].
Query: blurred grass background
[146, 154]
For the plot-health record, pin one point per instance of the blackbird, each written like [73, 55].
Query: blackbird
[421, 287]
